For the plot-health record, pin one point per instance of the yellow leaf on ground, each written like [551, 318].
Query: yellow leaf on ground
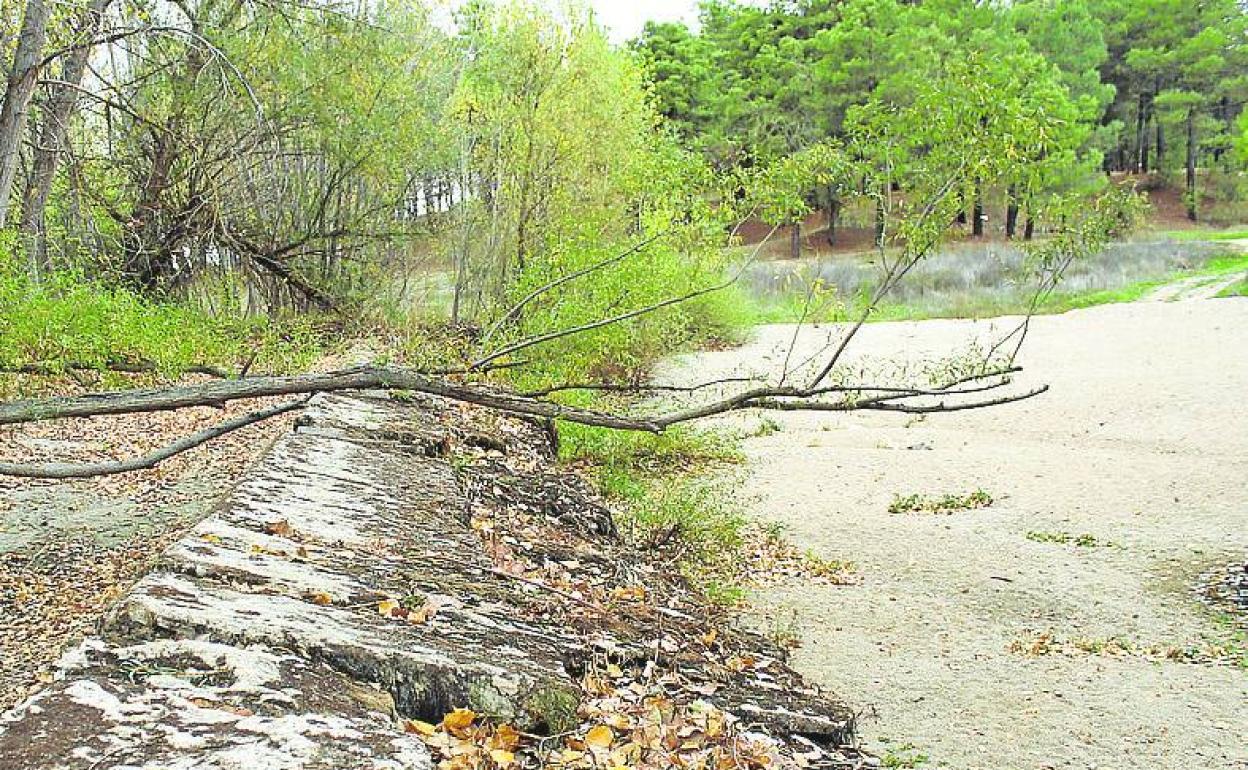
[505, 737]
[422, 615]
[321, 598]
[458, 719]
[502, 758]
[418, 727]
[387, 607]
[600, 737]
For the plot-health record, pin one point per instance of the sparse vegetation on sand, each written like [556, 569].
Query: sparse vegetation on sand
[950, 503]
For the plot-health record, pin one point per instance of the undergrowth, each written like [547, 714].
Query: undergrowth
[665, 501]
[65, 319]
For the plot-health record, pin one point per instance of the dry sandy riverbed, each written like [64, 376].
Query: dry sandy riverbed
[986, 649]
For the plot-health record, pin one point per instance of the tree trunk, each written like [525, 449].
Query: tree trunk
[795, 241]
[21, 86]
[834, 214]
[57, 114]
[1159, 160]
[879, 224]
[1141, 135]
[977, 214]
[1011, 213]
[1191, 164]
[1029, 228]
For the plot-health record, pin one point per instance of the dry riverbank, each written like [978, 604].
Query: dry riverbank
[980, 637]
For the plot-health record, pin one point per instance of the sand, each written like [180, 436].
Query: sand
[967, 642]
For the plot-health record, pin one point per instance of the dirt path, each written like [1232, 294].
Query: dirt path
[1201, 286]
[984, 647]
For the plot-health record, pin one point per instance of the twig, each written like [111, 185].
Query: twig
[550, 588]
[516, 308]
[558, 334]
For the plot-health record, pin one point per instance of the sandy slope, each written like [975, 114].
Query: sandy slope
[1142, 441]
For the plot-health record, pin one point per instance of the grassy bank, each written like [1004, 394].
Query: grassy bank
[668, 496]
[66, 321]
[980, 281]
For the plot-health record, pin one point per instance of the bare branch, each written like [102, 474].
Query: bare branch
[91, 470]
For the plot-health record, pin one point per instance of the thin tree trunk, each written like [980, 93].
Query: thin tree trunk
[57, 114]
[21, 86]
[1011, 213]
[1141, 135]
[977, 213]
[795, 241]
[834, 214]
[1191, 164]
[1159, 159]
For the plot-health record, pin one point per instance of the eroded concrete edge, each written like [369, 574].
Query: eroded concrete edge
[257, 643]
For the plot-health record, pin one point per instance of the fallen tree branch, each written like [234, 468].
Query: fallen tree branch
[112, 365]
[379, 378]
[91, 470]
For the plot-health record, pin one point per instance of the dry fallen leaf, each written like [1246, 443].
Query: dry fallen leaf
[505, 737]
[418, 727]
[459, 719]
[600, 737]
[387, 607]
[321, 598]
[280, 528]
[422, 615]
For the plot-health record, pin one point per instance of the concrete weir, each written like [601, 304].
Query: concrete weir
[257, 643]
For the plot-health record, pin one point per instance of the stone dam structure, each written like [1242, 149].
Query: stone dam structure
[257, 644]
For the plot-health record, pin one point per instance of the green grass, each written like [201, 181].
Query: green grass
[659, 487]
[1065, 538]
[65, 318]
[1230, 234]
[1238, 289]
[904, 756]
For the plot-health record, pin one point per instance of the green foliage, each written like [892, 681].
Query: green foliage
[1237, 289]
[1065, 538]
[66, 319]
[949, 503]
[614, 453]
[663, 501]
[572, 169]
[1108, 79]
